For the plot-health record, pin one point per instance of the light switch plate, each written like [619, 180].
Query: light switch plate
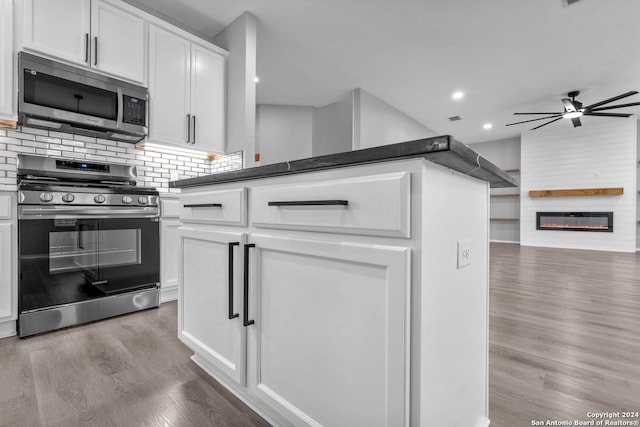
[464, 253]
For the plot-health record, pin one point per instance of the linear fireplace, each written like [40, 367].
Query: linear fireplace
[575, 221]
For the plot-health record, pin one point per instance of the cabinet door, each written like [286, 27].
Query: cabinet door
[58, 28]
[6, 271]
[204, 304]
[329, 344]
[117, 42]
[169, 73]
[6, 59]
[169, 258]
[208, 69]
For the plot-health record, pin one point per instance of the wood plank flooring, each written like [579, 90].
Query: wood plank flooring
[564, 334]
[126, 371]
[564, 340]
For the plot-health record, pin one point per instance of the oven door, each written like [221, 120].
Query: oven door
[68, 257]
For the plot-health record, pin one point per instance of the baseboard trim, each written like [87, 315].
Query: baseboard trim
[517, 242]
[8, 329]
[168, 294]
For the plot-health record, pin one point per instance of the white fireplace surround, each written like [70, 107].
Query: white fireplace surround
[601, 153]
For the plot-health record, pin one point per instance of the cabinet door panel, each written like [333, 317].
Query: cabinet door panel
[208, 98]
[6, 59]
[57, 28]
[169, 257]
[169, 74]
[329, 341]
[203, 320]
[6, 271]
[120, 42]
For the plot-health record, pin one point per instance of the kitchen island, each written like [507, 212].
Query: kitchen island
[344, 290]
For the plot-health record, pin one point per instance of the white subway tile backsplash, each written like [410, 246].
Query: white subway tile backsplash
[154, 168]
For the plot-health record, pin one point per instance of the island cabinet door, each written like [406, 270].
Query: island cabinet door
[327, 330]
[209, 320]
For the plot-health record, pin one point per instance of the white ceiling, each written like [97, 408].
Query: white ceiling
[506, 55]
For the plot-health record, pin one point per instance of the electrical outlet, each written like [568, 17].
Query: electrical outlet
[464, 253]
[174, 176]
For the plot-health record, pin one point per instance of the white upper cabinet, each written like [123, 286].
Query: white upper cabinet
[93, 34]
[118, 42]
[169, 81]
[6, 59]
[208, 98]
[187, 83]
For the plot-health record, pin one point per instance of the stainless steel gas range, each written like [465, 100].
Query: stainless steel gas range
[88, 241]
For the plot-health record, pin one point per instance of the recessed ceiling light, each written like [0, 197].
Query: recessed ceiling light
[458, 95]
[256, 79]
[487, 126]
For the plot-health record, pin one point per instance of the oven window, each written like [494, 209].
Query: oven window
[86, 248]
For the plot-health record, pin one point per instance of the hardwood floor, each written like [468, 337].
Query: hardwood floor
[126, 371]
[564, 334]
[564, 340]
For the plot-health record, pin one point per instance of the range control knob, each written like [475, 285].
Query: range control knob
[99, 198]
[68, 198]
[46, 197]
[143, 200]
[127, 199]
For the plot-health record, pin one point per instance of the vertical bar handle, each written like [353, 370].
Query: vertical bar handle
[188, 128]
[86, 47]
[95, 58]
[194, 129]
[245, 314]
[232, 315]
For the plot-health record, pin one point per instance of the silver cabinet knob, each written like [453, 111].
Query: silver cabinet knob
[46, 197]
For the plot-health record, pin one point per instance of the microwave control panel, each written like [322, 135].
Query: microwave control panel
[135, 111]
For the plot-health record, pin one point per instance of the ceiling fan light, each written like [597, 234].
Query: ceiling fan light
[572, 115]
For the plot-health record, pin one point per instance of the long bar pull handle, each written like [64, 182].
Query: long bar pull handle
[311, 203]
[232, 315]
[194, 129]
[245, 308]
[204, 205]
[86, 47]
[95, 58]
[188, 128]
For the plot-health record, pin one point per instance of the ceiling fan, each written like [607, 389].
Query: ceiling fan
[574, 110]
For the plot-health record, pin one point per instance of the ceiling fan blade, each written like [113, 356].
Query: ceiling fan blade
[576, 122]
[615, 98]
[607, 114]
[533, 120]
[568, 105]
[615, 106]
[544, 124]
[522, 114]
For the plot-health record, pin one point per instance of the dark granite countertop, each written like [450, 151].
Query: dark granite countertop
[443, 150]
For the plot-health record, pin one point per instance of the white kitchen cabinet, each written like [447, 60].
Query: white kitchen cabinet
[7, 109]
[187, 83]
[208, 319]
[8, 263]
[328, 344]
[95, 34]
[169, 249]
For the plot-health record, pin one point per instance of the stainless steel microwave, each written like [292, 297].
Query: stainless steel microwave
[64, 98]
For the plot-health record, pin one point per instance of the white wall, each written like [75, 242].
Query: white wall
[378, 123]
[239, 38]
[333, 127]
[601, 153]
[283, 132]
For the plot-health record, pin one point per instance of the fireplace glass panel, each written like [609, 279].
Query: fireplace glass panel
[575, 221]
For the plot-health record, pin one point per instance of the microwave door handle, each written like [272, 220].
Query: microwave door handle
[120, 118]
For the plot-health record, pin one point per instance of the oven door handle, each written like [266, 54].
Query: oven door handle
[25, 212]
